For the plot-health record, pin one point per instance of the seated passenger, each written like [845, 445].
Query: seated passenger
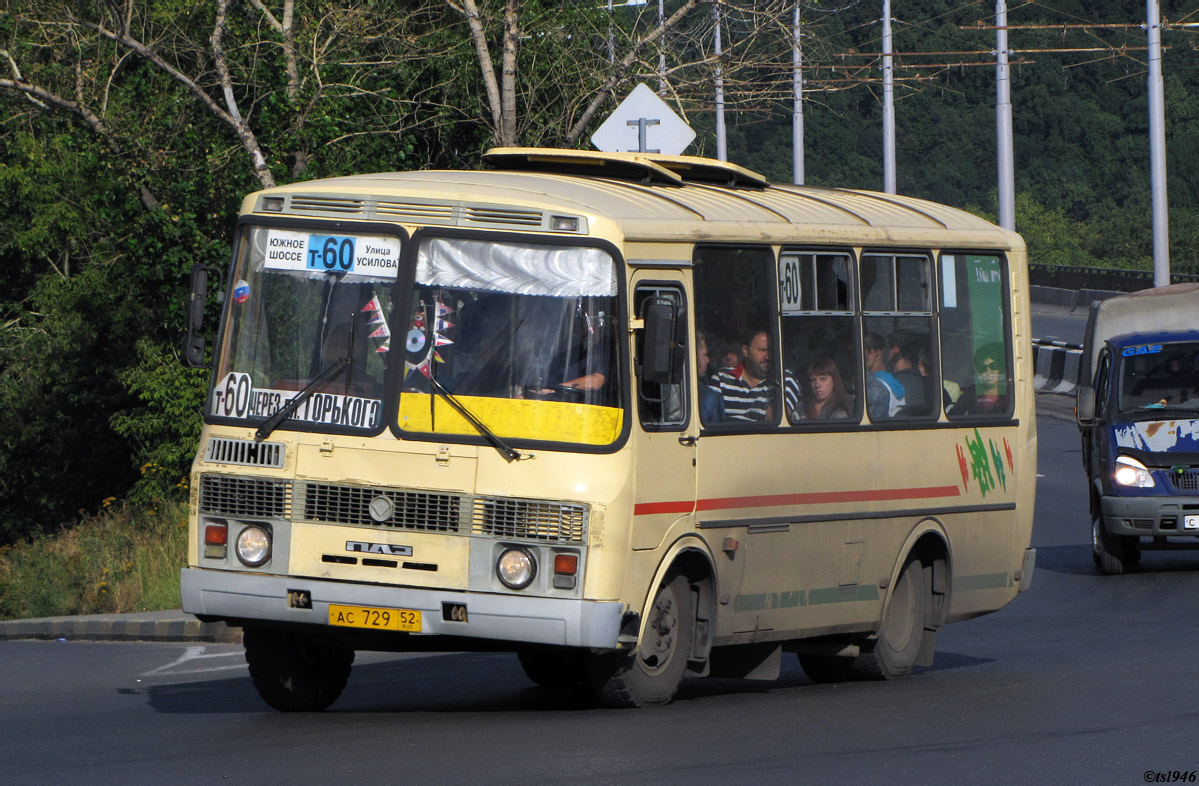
[829, 399]
[904, 366]
[884, 393]
[711, 403]
[749, 391]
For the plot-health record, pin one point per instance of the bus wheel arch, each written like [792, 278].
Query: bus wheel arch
[674, 637]
[916, 606]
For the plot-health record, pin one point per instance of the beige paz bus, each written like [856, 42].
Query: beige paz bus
[635, 418]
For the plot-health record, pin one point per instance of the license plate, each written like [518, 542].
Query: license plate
[374, 619]
[1190, 522]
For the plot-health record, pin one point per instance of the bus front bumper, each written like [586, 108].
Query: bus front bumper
[248, 597]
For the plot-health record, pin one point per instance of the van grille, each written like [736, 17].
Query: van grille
[244, 452]
[260, 498]
[527, 519]
[1185, 481]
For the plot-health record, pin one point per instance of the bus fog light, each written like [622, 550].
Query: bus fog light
[254, 546]
[516, 568]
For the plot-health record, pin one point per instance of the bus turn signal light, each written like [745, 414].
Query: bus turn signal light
[216, 538]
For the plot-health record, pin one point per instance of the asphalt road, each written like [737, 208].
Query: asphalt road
[1084, 678]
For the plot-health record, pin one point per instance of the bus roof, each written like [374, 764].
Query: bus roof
[647, 197]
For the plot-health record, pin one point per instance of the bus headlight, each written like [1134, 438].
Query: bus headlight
[1130, 472]
[516, 568]
[254, 546]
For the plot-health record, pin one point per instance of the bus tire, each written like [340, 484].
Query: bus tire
[892, 654]
[296, 672]
[1108, 550]
[553, 668]
[650, 675]
[825, 668]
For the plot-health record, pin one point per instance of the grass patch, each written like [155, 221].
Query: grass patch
[121, 560]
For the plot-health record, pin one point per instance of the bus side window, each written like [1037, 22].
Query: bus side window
[902, 375]
[819, 345]
[663, 406]
[975, 332]
[736, 310]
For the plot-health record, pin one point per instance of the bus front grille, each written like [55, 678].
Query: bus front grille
[264, 498]
[421, 511]
[375, 507]
[245, 452]
[529, 519]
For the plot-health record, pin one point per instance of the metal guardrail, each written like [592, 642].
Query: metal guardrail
[1098, 278]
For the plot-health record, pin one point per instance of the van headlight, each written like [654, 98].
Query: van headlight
[254, 545]
[1130, 472]
[516, 568]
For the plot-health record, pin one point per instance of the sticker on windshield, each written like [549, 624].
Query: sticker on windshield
[364, 255]
[236, 397]
[1141, 349]
[241, 291]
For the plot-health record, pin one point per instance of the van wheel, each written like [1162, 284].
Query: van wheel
[296, 672]
[650, 675]
[825, 668]
[553, 668]
[1108, 550]
[893, 653]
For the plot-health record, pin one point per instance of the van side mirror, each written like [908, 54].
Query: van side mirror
[662, 354]
[194, 343]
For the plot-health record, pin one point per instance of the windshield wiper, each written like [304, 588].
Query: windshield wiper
[285, 411]
[499, 444]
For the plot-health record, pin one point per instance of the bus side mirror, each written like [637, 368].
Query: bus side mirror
[194, 344]
[662, 352]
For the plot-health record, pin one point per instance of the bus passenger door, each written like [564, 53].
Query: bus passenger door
[665, 438]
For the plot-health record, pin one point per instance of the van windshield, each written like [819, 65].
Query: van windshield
[1159, 379]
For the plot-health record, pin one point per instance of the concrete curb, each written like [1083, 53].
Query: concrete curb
[170, 626]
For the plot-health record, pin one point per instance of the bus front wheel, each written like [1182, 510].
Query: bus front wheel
[296, 672]
[893, 653]
[650, 675]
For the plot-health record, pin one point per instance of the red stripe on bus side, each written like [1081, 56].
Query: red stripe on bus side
[809, 498]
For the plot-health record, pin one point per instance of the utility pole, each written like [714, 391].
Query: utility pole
[1003, 121]
[888, 104]
[797, 105]
[1157, 148]
[722, 152]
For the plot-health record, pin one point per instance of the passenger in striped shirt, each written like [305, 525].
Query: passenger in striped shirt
[750, 391]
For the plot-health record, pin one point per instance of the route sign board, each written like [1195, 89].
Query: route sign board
[643, 123]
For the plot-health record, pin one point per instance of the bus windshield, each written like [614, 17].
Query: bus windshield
[1159, 379]
[310, 313]
[523, 336]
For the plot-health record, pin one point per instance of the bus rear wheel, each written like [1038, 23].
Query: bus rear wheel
[893, 653]
[296, 672]
[650, 675]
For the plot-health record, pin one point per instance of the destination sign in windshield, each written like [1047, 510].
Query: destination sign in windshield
[364, 255]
